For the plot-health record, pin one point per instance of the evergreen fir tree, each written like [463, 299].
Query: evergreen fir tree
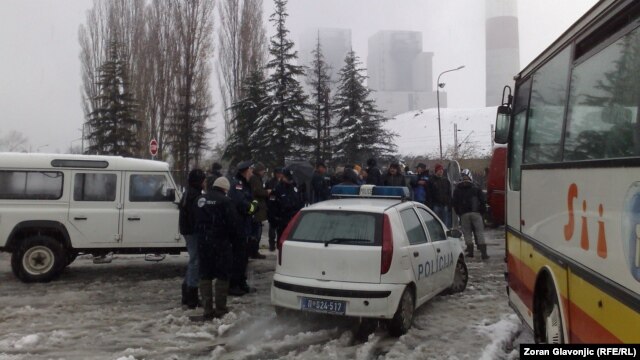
[319, 80]
[359, 133]
[247, 111]
[283, 131]
[112, 125]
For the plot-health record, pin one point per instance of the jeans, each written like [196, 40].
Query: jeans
[444, 213]
[193, 266]
[472, 223]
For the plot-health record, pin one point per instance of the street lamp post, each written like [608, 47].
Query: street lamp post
[438, 86]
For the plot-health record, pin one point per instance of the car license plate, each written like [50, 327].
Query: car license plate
[323, 306]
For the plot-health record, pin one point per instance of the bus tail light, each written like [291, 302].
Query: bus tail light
[387, 245]
[285, 235]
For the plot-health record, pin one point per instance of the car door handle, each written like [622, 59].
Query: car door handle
[133, 219]
[80, 218]
[437, 249]
[415, 254]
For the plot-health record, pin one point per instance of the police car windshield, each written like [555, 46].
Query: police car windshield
[344, 227]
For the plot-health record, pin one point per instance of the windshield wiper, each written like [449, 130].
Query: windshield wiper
[342, 240]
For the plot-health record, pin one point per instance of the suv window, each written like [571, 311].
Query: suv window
[94, 187]
[148, 188]
[31, 185]
[342, 227]
[436, 232]
[413, 227]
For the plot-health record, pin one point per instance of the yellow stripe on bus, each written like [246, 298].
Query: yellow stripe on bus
[617, 318]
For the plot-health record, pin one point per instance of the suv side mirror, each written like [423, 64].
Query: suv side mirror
[171, 194]
[454, 233]
[502, 124]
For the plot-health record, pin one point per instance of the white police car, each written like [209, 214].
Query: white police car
[367, 254]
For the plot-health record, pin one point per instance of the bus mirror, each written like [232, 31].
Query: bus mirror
[502, 124]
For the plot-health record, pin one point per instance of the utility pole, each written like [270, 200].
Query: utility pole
[455, 141]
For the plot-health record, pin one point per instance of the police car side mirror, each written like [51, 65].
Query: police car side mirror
[454, 233]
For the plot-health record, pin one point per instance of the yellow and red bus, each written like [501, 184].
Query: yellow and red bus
[573, 182]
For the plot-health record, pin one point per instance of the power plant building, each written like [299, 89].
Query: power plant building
[400, 73]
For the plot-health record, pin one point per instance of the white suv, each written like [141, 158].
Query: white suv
[367, 255]
[53, 207]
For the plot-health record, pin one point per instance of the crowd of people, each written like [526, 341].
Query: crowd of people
[222, 217]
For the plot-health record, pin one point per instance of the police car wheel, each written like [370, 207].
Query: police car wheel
[403, 317]
[460, 278]
[38, 259]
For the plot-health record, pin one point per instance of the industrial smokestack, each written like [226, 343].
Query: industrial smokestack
[503, 49]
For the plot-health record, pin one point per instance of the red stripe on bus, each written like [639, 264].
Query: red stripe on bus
[519, 275]
[584, 329]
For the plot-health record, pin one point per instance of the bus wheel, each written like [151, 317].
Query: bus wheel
[38, 259]
[550, 321]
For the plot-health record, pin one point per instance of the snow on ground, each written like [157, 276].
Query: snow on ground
[418, 130]
[129, 309]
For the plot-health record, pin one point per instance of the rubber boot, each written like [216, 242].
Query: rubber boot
[185, 295]
[254, 246]
[469, 250]
[192, 297]
[483, 251]
[206, 291]
[222, 291]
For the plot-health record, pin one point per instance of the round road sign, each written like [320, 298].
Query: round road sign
[153, 147]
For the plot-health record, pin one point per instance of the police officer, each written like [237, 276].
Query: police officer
[218, 231]
[288, 200]
[240, 193]
[187, 223]
[271, 216]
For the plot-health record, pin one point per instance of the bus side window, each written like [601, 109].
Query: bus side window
[603, 115]
[546, 114]
[520, 107]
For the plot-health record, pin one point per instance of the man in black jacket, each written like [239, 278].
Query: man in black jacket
[240, 193]
[320, 184]
[187, 223]
[218, 230]
[271, 200]
[469, 202]
[288, 200]
[441, 195]
[374, 175]
[216, 172]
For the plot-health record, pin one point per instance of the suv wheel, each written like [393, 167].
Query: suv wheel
[403, 317]
[38, 259]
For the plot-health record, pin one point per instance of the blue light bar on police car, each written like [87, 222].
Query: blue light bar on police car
[389, 192]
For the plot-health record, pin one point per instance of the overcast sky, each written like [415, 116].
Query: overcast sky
[40, 68]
